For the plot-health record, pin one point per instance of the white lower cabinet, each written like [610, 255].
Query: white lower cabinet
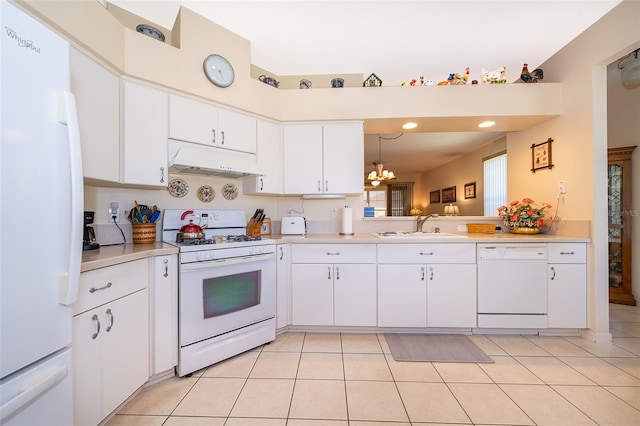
[567, 285]
[164, 314]
[110, 339]
[333, 284]
[426, 285]
[283, 294]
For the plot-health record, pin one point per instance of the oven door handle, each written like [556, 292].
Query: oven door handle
[194, 266]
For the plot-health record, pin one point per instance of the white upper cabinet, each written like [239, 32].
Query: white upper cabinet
[200, 122]
[97, 92]
[323, 158]
[269, 161]
[144, 135]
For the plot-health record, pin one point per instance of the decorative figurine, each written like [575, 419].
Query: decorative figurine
[372, 81]
[494, 77]
[532, 77]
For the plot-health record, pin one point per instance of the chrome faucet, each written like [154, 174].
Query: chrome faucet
[420, 221]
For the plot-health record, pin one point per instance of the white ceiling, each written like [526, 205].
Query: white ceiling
[396, 40]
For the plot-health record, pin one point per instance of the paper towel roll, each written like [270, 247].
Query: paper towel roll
[347, 221]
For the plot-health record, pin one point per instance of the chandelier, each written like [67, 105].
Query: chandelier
[380, 174]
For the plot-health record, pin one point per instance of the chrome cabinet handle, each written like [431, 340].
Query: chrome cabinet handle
[281, 253]
[326, 186]
[430, 273]
[337, 272]
[335, 253]
[329, 272]
[161, 174]
[111, 317]
[222, 141]
[261, 184]
[213, 135]
[93, 289]
[553, 272]
[568, 253]
[423, 273]
[426, 254]
[166, 268]
[95, 318]
[319, 186]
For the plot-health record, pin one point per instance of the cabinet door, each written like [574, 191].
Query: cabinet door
[236, 131]
[125, 348]
[97, 92]
[193, 121]
[355, 298]
[269, 158]
[343, 147]
[144, 135]
[567, 292]
[451, 295]
[402, 295]
[312, 294]
[283, 295]
[164, 315]
[87, 371]
[302, 146]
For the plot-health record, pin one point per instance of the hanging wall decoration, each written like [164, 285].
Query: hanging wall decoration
[541, 156]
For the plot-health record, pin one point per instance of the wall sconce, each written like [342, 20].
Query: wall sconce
[451, 210]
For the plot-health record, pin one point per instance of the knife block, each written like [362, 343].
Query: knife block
[254, 228]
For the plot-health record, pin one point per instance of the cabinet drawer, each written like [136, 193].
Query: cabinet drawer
[103, 285]
[567, 253]
[427, 253]
[333, 253]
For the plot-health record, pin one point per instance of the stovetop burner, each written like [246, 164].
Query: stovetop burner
[217, 240]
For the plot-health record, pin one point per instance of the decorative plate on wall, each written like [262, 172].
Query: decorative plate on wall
[230, 191]
[178, 188]
[206, 194]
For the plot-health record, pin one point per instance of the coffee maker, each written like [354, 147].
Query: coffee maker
[89, 235]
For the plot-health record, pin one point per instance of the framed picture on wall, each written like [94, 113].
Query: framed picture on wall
[449, 194]
[469, 190]
[434, 196]
[541, 156]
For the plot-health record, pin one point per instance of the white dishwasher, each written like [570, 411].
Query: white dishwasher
[512, 285]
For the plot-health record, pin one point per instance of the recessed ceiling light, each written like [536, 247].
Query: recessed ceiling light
[409, 125]
[487, 124]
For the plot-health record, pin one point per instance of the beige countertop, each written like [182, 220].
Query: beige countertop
[112, 255]
[461, 237]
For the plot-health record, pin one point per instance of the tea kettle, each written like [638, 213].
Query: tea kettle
[190, 231]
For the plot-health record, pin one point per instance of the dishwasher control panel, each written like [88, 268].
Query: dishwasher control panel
[507, 251]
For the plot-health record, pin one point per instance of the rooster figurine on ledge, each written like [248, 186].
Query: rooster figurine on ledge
[531, 77]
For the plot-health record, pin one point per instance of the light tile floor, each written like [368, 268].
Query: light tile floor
[305, 379]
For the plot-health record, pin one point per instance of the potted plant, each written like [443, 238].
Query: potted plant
[524, 217]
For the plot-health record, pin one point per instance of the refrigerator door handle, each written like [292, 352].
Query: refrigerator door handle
[70, 281]
[32, 390]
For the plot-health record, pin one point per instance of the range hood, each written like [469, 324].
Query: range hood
[197, 159]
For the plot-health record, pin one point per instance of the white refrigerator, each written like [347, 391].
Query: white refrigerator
[41, 220]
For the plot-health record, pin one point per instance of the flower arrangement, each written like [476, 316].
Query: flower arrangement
[524, 214]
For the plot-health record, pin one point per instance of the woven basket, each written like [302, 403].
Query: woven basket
[143, 233]
[481, 228]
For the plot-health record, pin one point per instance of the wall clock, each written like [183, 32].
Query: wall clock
[218, 70]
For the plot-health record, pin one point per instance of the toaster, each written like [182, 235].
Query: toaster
[293, 225]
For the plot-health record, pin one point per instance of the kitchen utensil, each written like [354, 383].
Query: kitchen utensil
[190, 231]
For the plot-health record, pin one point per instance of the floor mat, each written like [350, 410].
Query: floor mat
[435, 348]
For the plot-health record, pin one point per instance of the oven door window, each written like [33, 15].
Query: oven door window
[230, 293]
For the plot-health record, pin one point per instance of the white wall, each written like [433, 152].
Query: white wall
[580, 143]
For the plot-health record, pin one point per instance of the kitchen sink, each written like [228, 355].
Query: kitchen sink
[417, 235]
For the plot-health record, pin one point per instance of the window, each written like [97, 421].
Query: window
[495, 183]
[399, 199]
[391, 199]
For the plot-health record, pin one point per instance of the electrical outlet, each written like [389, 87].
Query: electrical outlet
[114, 212]
[334, 213]
[562, 187]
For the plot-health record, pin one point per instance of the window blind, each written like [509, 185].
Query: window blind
[495, 183]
